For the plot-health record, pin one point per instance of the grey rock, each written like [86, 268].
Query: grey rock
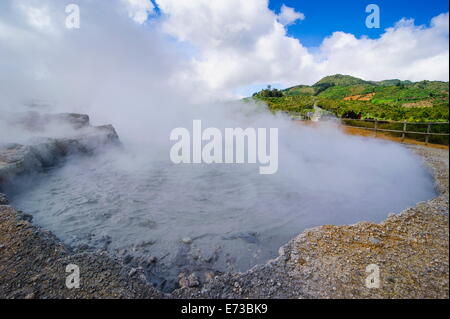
[3, 199]
[31, 295]
[193, 280]
[188, 281]
[209, 276]
[128, 259]
[17, 159]
[132, 272]
[187, 240]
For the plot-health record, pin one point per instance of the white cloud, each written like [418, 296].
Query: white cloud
[238, 42]
[404, 51]
[110, 57]
[36, 17]
[245, 44]
[289, 16]
[139, 10]
[223, 45]
[217, 23]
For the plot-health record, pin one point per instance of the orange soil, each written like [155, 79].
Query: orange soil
[364, 97]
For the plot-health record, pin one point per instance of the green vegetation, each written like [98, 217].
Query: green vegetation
[292, 104]
[341, 80]
[347, 96]
[269, 92]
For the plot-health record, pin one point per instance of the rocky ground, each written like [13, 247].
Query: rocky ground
[33, 261]
[33, 265]
[410, 249]
[74, 134]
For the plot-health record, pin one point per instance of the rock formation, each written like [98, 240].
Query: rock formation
[77, 136]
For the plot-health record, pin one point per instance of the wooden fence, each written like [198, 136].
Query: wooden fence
[404, 131]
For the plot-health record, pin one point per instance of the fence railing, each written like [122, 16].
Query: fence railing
[404, 131]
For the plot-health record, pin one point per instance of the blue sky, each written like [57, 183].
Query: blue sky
[326, 16]
[235, 47]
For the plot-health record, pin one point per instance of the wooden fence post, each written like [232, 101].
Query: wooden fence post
[427, 138]
[404, 131]
[376, 128]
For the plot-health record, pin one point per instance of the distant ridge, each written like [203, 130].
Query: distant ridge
[346, 95]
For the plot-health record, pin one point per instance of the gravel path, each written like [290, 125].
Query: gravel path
[410, 249]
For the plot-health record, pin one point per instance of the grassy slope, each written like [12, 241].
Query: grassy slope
[387, 100]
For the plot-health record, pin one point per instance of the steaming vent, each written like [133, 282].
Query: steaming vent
[171, 221]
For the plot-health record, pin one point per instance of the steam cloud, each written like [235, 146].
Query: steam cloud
[140, 80]
[144, 83]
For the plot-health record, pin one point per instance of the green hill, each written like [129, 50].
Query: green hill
[340, 80]
[384, 100]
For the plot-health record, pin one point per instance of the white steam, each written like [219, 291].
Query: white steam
[135, 77]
